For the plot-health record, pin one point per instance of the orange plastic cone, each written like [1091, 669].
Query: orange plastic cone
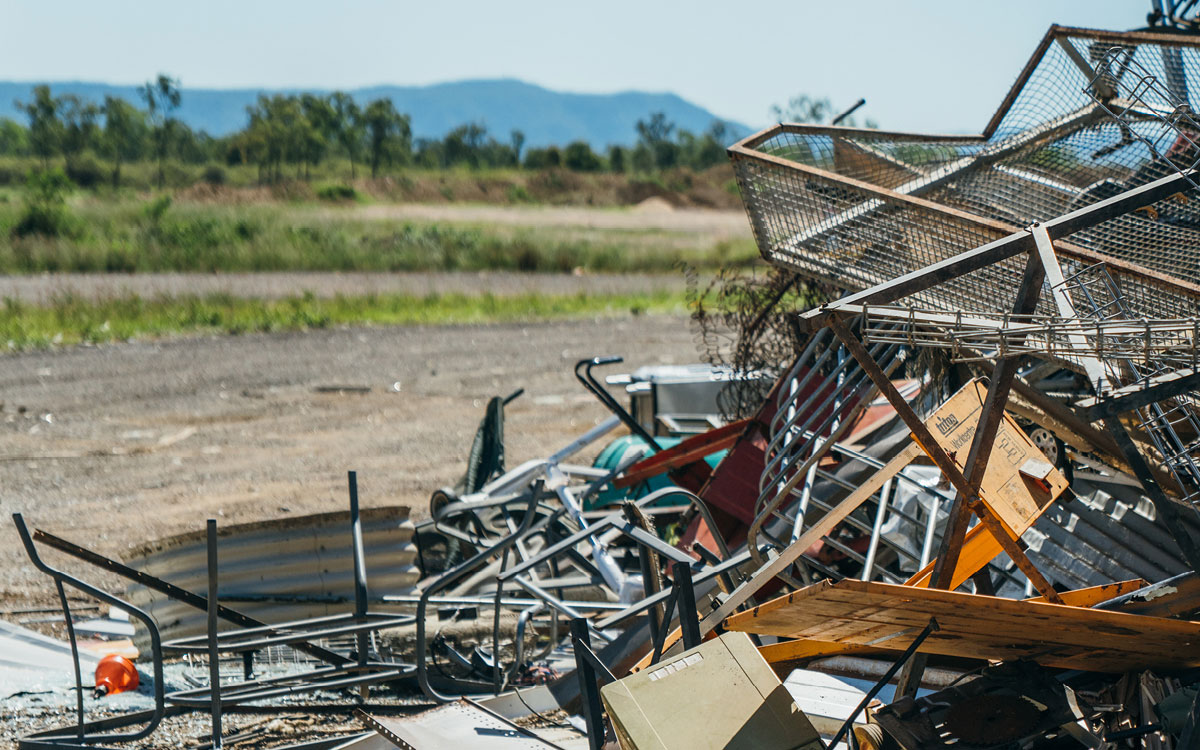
[115, 674]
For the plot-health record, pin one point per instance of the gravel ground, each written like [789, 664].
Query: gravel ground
[114, 445]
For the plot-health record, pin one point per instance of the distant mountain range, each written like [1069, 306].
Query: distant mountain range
[544, 116]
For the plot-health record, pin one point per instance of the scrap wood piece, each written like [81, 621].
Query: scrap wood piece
[689, 451]
[976, 627]
[464, 724]
[787, 655]
[1093, 595]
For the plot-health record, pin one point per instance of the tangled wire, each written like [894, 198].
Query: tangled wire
[746, 322]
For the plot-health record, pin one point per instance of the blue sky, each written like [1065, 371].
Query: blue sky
[933, 65]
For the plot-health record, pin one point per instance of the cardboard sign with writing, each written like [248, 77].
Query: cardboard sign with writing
[1019, 481]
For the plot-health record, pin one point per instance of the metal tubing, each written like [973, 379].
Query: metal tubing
[689, 618]
[156, 716]
[304, 683]
[519, 644]
[214, 655]
[554, 602]
[62, 597]
[592, 709]
[726, 567]
[360, 569]
[451, 576]
[287, 634]
[590, 383]
[887, 677]
[507, 601]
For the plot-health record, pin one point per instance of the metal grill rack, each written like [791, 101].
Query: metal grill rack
[858, 207]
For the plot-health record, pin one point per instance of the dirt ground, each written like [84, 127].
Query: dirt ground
[45, 288]
[113, 445]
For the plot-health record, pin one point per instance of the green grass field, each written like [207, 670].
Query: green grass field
[72, 320]
[136, 235]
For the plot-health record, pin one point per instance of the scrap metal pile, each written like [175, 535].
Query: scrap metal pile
[863, 560]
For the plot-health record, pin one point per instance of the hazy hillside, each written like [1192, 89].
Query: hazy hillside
[546, 117]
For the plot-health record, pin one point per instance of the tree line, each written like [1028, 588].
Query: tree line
[286, 135]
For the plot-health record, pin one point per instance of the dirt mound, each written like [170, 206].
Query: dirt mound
[653, 205]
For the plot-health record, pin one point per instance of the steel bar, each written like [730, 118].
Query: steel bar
[554, 602]
[685, 605]
[592, 709]
[880, 515]
[726, 567]
[506, 601]
[66, 608]
[360, 573]
[214, 655]
[1136, 398]
[326, 678]
[887, 677]
[301, 631]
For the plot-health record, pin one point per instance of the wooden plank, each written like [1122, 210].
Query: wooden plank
[979, 548]
[688, 451]
[803, 649]
[980, 627]
[1093, 595]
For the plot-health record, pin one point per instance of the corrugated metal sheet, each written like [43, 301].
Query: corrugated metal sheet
[1108, 533]
[306, 557]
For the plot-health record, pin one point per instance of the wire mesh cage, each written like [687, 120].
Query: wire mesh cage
[856, 207]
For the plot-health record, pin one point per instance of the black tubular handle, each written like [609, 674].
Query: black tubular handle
[583, 373]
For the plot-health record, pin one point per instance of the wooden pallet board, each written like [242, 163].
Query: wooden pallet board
[976, 627]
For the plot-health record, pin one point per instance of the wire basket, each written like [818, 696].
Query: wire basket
[858, 207]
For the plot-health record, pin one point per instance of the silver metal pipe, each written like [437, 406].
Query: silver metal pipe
[561, 606]
[471, 601]
[880, 515]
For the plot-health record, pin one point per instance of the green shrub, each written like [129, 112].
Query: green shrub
[156, 209]
[337, 192]
[87, 173]
[45, 211]
[579, 157]
[518, 194]
[542, 158]
[214, 174]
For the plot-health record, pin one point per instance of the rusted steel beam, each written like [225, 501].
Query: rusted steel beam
[985, 438]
